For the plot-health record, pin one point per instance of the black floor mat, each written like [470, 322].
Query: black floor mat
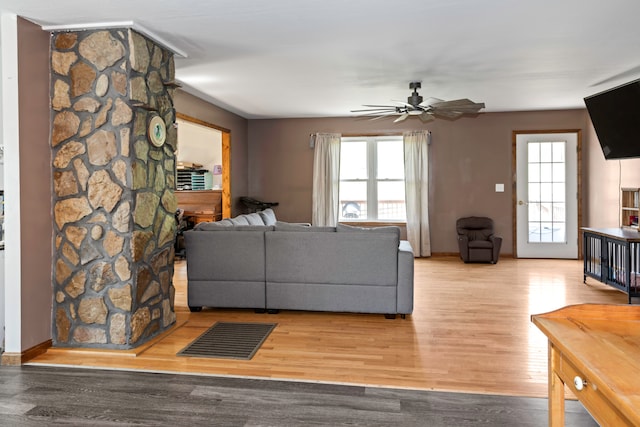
[228, 340]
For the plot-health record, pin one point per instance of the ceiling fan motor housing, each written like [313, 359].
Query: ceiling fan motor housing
[414, 99]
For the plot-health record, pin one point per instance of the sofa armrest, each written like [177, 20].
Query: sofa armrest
[405, 278]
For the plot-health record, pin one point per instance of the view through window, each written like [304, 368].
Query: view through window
[547, 192]
[372, 179]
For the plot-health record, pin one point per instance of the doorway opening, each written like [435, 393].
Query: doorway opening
[223, 138]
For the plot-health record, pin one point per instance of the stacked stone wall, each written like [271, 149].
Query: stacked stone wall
[113, 194]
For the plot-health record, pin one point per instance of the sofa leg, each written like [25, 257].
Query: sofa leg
[273, 311]
[403, 316]
[260, 310]
[195, 309]
[389, 316]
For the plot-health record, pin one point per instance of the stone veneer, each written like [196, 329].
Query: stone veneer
[113, 195]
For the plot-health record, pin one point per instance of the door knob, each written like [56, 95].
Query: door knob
[520, 202]
[579, 383]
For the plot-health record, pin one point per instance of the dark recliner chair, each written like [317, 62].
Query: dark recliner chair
[476, 240]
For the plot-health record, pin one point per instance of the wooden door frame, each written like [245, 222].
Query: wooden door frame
[514, 195]
[226, 160]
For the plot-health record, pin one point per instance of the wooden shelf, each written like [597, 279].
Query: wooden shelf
[630, 207]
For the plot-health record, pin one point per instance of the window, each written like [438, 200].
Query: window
[372, 179]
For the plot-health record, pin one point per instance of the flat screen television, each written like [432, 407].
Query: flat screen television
[615, 114]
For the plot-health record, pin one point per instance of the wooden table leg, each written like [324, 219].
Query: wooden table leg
[556, 390]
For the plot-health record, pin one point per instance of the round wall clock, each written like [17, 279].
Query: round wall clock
[157, 131]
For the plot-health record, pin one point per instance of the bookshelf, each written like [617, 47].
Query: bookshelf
[630, 207]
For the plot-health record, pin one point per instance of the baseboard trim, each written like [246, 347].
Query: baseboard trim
[457, 255]
[17, 359]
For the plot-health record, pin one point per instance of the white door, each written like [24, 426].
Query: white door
[547, 195]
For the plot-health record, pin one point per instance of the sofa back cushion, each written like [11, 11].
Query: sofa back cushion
[359, 258]
[218, 225]
[254, 219]
[240, 220]
[287, 226]
[268, 216]
[389, 229]
[226, 254]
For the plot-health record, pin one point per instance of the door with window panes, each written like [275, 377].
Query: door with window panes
[372, 179]
[547, 195]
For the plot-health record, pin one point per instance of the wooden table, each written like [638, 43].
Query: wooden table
[594, 350]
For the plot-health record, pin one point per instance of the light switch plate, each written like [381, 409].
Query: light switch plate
[499, 188]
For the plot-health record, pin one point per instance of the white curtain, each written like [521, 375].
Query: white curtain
[326, 179]
[416, 177]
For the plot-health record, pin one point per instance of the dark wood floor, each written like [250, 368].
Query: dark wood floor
[45, 396]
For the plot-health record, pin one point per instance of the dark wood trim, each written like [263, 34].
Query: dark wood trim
[201, 122]
[17, 359]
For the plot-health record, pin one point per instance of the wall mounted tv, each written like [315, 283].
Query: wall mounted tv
[615, 114]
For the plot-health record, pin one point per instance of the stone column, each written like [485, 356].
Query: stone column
[113, 194]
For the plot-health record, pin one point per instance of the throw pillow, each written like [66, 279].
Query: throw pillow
[268, 216]
[254, 219]
[240, 220]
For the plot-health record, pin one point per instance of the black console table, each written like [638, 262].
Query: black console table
[612, 256]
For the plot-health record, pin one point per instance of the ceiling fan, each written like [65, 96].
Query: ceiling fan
[426, 111]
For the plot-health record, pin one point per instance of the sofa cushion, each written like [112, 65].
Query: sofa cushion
[392, 229]
[360, 258]
[480, 244]
[254, 219]
[481, 234]
[287, 226]
[226, 255]
[225, 224]
[268, 216]
[240, 220]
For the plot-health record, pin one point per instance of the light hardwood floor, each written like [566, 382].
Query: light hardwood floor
[470, 332]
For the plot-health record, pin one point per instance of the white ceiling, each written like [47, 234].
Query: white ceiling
[321, 58]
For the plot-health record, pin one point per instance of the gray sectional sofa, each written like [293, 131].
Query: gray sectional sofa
[255, 261]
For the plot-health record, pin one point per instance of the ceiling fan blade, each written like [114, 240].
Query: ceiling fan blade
[378, 106]
[380, 117]
[375, 111]
[426, 110]
[426, 117]
[403, 103]
[430, 101]
[402, 118]
[458, 104]
[447, 114]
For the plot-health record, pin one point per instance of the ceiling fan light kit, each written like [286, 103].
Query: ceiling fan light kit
[426, 111]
